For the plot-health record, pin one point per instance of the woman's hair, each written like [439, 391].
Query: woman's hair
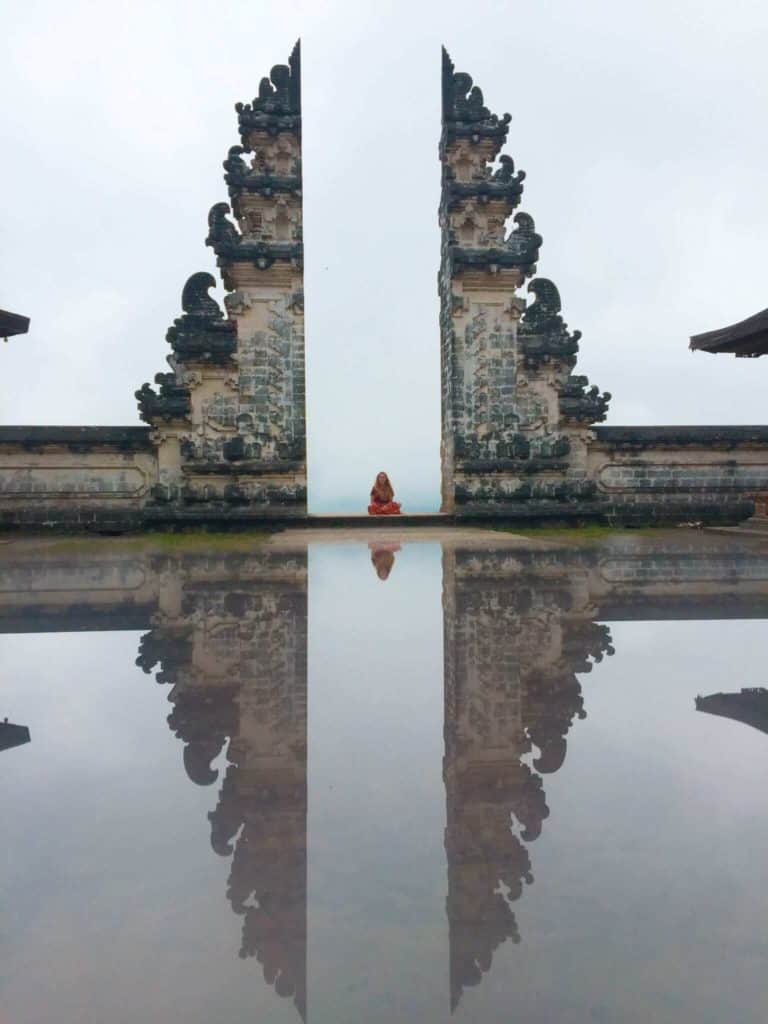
[383, 491]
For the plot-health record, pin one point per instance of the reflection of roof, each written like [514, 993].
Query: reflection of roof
[749, 706]
[747, 338]
[12, 323]
[13, 735]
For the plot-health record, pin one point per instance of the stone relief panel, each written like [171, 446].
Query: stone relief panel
[73, 481]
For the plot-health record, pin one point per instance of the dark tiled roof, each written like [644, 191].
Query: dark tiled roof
[13, 735]
[747, 338]
[750, 707]
[12, 323]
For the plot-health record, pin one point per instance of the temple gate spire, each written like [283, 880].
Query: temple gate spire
[229, 420]
[515, 421]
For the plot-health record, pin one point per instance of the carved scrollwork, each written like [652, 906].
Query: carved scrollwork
[222, 233]
[468, 99]
[526, 229]
[267, 182]
[229, 245]
[234, 164]
[524, 242]
[278, 103]
[173, 401]
[202, 333]
[582, 402]
[543, 315]
[464, 112]
[195, 300]
[275, 91]
[543, 334]
[506, 170]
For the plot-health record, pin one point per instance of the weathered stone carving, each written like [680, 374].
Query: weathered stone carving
[201, 334]
[172, 403]
[511, 408]
[278, 171]
[543, 315]
[277, 107]
[464, 112]
[222, 234]
[582, 402]
[233, 439]
[544, 340]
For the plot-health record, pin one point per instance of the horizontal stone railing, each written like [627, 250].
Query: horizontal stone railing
[75, 477]
[711, 473]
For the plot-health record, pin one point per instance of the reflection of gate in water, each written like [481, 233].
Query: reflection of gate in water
[228, 634]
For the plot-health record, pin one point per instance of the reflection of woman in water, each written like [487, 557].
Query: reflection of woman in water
[383, 558]
[381, 498]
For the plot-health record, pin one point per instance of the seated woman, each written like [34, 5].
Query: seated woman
[381, 498]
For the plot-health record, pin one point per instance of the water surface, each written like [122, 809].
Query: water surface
[385, 781]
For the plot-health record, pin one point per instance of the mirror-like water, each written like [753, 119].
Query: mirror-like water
[385, 780]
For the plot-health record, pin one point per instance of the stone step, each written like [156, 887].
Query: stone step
[364, 521]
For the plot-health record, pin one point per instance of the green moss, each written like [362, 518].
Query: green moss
[196, 540]
[589, 533]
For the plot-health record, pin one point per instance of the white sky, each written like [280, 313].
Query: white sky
[641, 128]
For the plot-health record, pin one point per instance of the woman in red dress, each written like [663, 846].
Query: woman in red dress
[381, 498]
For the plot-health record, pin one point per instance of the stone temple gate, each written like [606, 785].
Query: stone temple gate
[228, 421]
[225, 439]
[515, 419]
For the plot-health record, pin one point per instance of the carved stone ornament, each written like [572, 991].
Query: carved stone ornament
[464, 112]
[202, 334]
[278, 103]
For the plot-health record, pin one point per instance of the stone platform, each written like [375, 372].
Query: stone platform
[243, 519]
[337, 520]
[163, 518]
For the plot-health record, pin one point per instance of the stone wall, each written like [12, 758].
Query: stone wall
[652, 474]
[75, 478]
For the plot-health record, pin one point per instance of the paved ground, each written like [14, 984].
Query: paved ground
[391, 533]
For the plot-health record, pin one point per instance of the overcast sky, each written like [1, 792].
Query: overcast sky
[641, 128]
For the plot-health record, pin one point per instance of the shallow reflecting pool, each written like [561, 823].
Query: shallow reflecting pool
[390, 779]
